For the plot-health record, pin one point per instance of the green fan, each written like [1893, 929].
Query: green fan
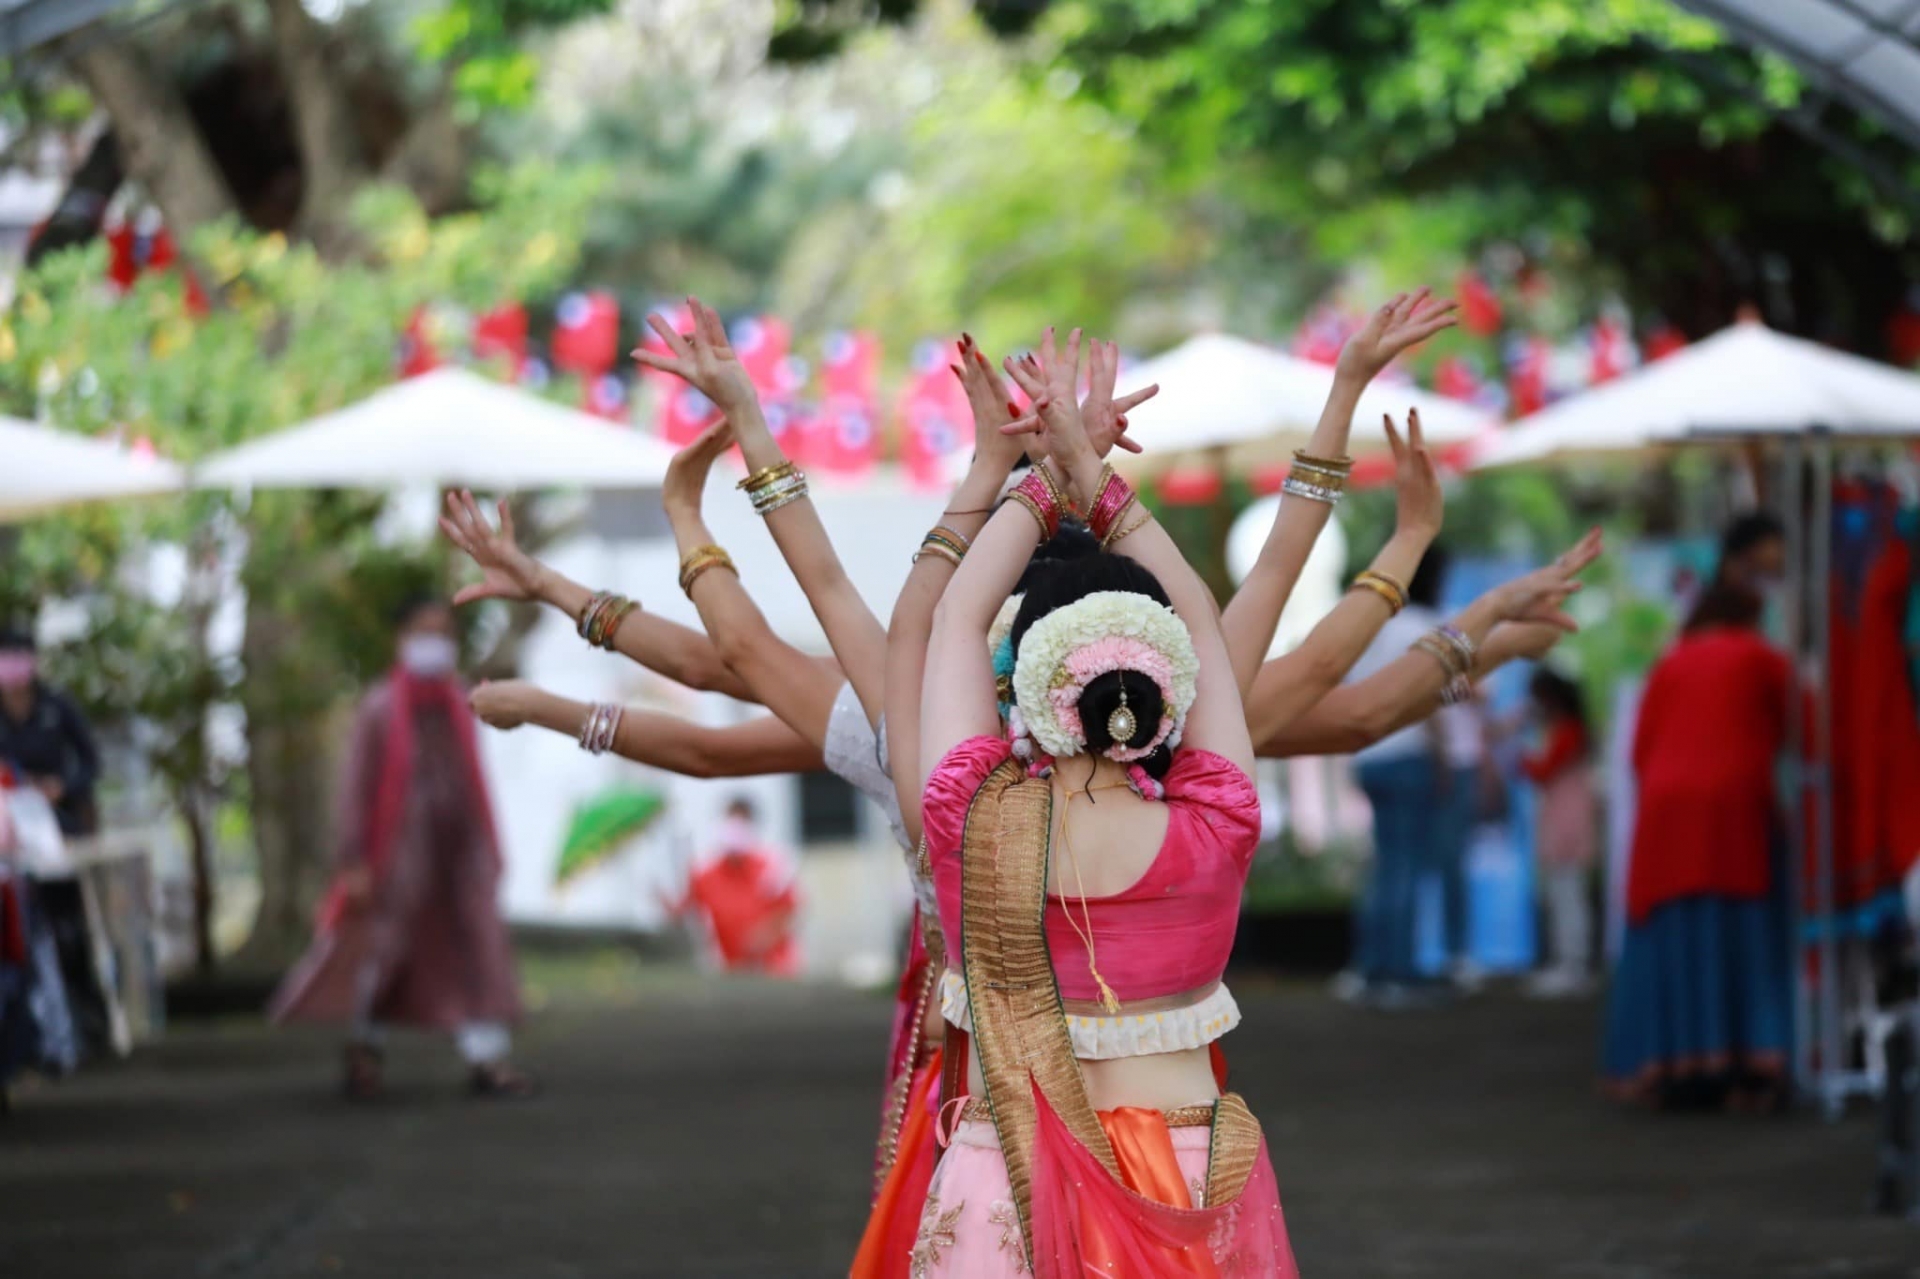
[603, 824]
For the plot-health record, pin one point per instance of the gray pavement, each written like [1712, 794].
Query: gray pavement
[724, 1129]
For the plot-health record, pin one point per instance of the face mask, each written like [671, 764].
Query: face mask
[16, 670]
[429, 656]
[736, 834]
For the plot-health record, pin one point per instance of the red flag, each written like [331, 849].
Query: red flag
[1610, 348]
[501, 334]
[1527, 374]
[605, 396]
[1664, 341]
[586, 334]
[935, 415]
[844, 434]
[1455, 378]
[417, 355]
[761, 342]
[1479, 306]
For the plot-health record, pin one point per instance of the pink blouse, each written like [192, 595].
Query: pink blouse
[1172, 930]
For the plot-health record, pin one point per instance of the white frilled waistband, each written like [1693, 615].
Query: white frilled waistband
[1127, 1035]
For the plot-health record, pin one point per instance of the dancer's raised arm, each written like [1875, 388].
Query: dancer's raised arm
[1307, 501]
[1288, 685]
[1522, 618]
[994, 456]
[706, 359]
[1217, 720]
[761, 746]
[798, 688]
[509, 573]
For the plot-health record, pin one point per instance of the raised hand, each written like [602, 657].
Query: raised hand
[1106, 417]
[1405, 321]
[1541, 595]
[503, 704]
[1054, 417]
[1418, 503]
[508, 573]
[686, 481]
[992, 406]
[704, 358]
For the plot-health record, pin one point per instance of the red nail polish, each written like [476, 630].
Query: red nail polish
[1013, 408]
[956, 371]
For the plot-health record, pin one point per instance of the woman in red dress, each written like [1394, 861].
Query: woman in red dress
[1700, 1008]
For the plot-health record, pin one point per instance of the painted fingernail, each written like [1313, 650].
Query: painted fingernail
[1013, 408]
[1122, 419]
[981, 356]
[966, 339]
[956, 371]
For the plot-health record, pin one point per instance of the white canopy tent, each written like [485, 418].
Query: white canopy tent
[42, 467]
[446, 427]
[1259, 404]
[1744, 381]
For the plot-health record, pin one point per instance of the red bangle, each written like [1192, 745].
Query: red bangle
[1039, 498]
[1108, 504]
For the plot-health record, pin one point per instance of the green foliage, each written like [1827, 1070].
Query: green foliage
[289, 336]
[486, 42]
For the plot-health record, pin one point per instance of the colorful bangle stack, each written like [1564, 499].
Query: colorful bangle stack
[1112, 501]
[773, 487]
[699, 560]
[1319, 479]
[1456, 654]
[945, 543]
[600, 619]
[1385, 587]
[1043, 499]
[603, 724]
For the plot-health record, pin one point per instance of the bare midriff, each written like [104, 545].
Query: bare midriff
[1157, 1081]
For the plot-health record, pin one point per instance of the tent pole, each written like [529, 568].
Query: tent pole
[1832, 1060]
[1792, 495]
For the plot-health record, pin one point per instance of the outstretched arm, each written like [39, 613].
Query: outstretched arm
[1521, 618]
[1255, 608]
[706, 359]
[509, 573]
[756, 748]
[798, 688]
[1287, 686]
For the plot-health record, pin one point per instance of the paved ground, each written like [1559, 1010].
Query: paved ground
[723, 1130]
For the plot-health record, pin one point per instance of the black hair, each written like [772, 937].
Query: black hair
[1054, 584]
[741, 805]
[1558, 696]
[1424, 589]
[1074, 541]
[1748, 531]
[1726, 603]
[413, 604]
[15, 639]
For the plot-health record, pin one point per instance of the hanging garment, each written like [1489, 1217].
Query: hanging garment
[1876, 733]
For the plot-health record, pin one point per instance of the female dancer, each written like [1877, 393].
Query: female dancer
[1125, 700]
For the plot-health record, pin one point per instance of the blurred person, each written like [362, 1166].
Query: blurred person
[1567, 829]
[45, 737]
[410, 933]
[1753, 555]
[1422, 782]
[1700, 1005]
[744, 895]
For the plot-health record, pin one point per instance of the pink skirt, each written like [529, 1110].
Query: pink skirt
[971, 1230]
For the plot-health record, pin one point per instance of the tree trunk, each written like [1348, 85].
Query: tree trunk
[290, 773]
[158, 142]
[83, 205]
[331, 165]
[193, 810]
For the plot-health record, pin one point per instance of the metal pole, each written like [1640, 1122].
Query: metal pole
[1832, 1064]
[1792, 494]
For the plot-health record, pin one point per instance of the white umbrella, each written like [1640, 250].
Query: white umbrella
[41, 468]
[444, 428]
[1744, 380]
[1260, 404]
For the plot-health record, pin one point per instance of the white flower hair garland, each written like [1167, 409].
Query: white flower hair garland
[1070, 647]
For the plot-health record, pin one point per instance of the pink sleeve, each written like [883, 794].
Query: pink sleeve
[1220, 798]
[951, 786]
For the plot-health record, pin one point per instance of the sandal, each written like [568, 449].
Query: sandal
[499, 1081]
[364, 1073]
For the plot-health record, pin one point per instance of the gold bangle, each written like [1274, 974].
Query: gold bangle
[953, 537]
[692, 575]
[1146, 518]
[1330, 465]
[1442, 652]
[1392, 590]
[1033, 509]
[1060, 500]
[767, 475]
[1394, 604]
[939, 550]
[1114, 533]
[699, 560]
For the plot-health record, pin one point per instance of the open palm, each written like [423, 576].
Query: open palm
[507, 572]
[704, 358]
[1405, 321]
